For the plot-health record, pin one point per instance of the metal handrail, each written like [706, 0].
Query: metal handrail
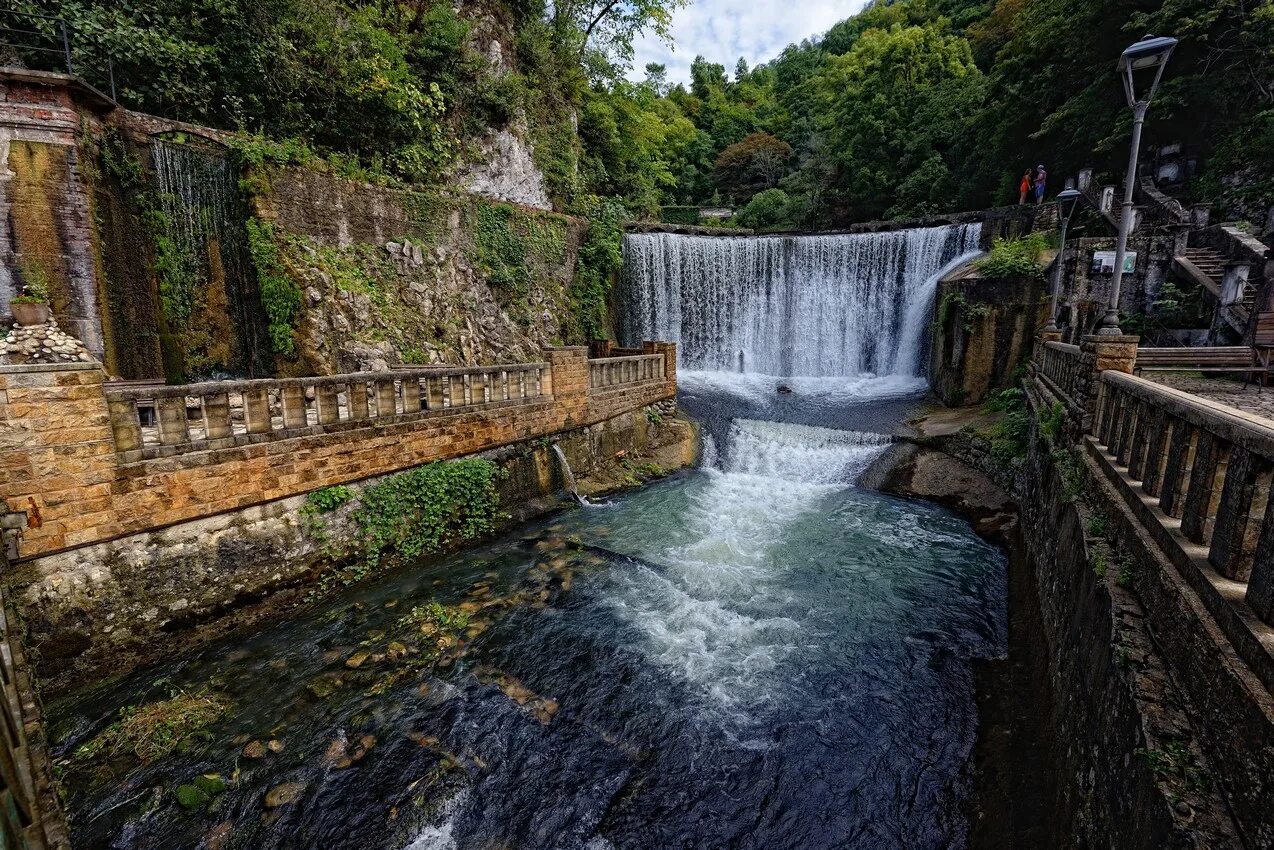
[61, 38]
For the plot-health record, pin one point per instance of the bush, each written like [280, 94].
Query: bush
[1014, 257]
[679, 215]
[766, 209]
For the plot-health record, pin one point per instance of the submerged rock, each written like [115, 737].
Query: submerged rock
[281, 795]
[254, 750]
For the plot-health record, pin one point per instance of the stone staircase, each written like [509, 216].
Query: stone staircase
[1212, 264]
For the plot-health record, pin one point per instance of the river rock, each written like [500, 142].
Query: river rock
[281, 795]
[254, 750]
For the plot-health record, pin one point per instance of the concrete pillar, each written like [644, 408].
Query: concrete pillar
[568, 381]
[329, 410]
[216, 416]
[256, 410]
[125, 424]
[1234, 283]
[293, 399]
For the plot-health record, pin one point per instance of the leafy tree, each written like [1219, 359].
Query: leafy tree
[758, 162]
[766, 209]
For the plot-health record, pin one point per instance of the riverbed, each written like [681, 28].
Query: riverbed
[756, 653]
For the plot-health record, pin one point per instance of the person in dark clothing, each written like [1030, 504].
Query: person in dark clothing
[1041, 180]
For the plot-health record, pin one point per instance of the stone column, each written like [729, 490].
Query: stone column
[1096, 355]
[58, 456]
[568, 382]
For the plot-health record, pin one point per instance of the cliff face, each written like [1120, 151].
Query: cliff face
[391, 276]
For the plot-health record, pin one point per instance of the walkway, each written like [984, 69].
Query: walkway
[1252, 398]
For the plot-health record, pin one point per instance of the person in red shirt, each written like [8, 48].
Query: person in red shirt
[1025, 187]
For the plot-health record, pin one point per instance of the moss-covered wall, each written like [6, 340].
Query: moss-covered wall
[982, 331]
[388, 275]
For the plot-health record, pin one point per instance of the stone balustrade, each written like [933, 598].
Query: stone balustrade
[79, 467]
[197, 417]
[1207, 468]
[616, 371]
[1062, 365]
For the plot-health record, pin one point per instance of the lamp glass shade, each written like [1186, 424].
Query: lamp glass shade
[1151, 51]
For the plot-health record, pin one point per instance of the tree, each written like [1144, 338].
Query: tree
[758, 162]
[770, 208]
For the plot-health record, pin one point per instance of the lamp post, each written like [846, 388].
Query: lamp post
[1066, 200]
[1151, 53]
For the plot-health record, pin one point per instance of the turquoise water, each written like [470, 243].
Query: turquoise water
[753, 654]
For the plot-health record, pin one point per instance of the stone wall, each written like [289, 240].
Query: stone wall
[982, 332]
[99, 529]
[393, 276]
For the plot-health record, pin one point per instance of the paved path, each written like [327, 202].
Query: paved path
[1253, 398]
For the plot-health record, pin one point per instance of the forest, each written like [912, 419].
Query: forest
[907, 108]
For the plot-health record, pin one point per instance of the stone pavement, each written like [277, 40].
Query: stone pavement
[1252, 398]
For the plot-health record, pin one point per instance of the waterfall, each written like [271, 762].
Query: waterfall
[836, 305]
[203, 214]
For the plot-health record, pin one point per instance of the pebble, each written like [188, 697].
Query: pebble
[42, 344]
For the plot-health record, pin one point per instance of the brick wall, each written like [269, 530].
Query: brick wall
[59, 462]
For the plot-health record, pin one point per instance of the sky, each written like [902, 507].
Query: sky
[724, 30]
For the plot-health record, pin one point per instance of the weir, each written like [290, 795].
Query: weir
[833, 305]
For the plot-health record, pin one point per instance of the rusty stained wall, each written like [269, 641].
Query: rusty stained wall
[46, 215]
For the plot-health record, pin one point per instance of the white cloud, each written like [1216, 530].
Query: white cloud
[724, 30]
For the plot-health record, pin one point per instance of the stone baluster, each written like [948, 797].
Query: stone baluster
[1203, 489]
[216, 416]
[256, 410]
[1260, 583]
[170, 412]
[386, 398]
[358, 407]
[292, 399]
[1235, 530]
[434, 393]
[125, 423]
[327, 399]
[411, 394]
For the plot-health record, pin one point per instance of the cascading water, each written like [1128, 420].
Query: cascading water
[212, 290]
[838, 305]
[754, 654]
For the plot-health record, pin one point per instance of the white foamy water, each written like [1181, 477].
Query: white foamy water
[837, 305]
[697, 612]
[440, 835]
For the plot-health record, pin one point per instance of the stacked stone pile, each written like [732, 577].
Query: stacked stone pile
[46, 343]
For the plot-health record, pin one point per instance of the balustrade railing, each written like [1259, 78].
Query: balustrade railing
[616, 371]
[1061, 365]
[1208, 466]
[225, 413]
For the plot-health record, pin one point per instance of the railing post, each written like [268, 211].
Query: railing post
[216, 416]
[171, 413]
[125, 424]
[293, 402]
[1098, 354]
[256, 410]
[326, 398]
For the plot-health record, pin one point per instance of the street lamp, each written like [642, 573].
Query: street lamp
[1066, 201]
[1151, 53]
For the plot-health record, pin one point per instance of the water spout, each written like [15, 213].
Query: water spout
[568, 477]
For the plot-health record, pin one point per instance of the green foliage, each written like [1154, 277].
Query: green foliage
[1174, 761]
[435, 615]
[328, 499]
[1014, 257]
[280, 296]
[672, 214]
[1098, 525]
[600, 258]
[423, 510]
[1070, 471]
[150, 732]
[35, 284]
[769, 208]
[654, 417]
[1100, 564]
[1051, 422]
[1123, 578]
[1008, 437]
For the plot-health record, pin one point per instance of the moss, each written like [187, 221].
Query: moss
[280, 296]
[600, 258]
[150, 732]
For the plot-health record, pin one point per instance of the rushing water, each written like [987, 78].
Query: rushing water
[753, 654]
[837, 305]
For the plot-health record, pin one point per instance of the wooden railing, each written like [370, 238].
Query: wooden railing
[1208, 466]
[616, 371]
[226, 413]
[1061, 365]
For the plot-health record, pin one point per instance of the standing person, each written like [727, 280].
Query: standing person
[1024, 187]
[1041, 180]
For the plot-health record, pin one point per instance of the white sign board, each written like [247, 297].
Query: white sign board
[1104, 262]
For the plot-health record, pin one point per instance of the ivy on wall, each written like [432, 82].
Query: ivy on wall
[280, 296]
[600, 259]
[417, 512]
